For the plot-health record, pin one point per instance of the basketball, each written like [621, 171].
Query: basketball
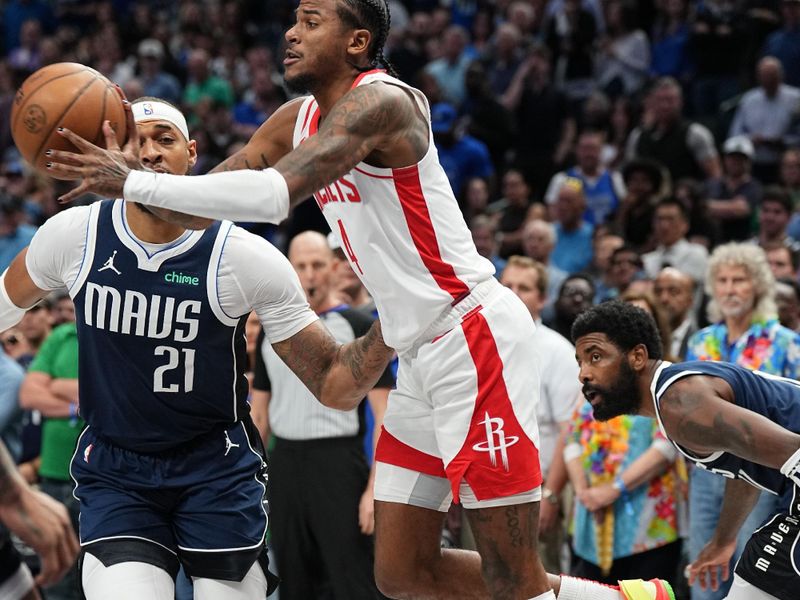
[67, 95]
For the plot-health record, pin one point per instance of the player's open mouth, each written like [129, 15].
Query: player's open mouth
[290, 58]
[592, 397]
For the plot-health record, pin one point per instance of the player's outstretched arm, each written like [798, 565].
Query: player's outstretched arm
[695, 415]
[366, 119]
[338, 375]
[38, 520]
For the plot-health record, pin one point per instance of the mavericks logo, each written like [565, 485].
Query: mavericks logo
[173, 277]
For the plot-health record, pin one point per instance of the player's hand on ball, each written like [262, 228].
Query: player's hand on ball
[101, 171]
[713, 558]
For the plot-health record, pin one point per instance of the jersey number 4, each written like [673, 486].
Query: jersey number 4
[351, 256]
[173, 362]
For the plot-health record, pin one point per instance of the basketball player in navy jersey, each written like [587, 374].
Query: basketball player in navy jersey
[169, 469]
[741, 424]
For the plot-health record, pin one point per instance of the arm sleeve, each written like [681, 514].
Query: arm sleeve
[57, 249]
[254, 275]
[247, 195]
[261, 380]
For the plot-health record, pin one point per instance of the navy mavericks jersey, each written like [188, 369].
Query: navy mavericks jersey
[160, 363]
[776, 398]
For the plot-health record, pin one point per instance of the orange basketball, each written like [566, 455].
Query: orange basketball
[67, 95]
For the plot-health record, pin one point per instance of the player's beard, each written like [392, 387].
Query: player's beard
[303, 83]
[621, 398]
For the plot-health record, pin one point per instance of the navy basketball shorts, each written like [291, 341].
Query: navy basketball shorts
[771, 558]
[202, 504]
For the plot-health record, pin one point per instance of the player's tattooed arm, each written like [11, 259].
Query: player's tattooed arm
[369, 119]
[696, 416]
[338, 375]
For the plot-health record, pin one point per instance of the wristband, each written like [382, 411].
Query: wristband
[619, 485]
[73, 411]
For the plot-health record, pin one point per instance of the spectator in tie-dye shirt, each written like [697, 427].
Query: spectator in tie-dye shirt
[745, 331]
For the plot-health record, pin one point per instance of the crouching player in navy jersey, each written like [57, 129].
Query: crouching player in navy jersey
[169, 469]
[741, 424]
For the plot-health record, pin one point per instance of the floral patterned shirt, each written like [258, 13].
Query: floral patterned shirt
[767, 346]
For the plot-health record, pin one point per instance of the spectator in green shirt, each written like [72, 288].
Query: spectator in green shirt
[51, 387]
[204, 90]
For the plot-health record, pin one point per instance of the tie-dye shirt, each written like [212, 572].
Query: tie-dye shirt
[767, 346]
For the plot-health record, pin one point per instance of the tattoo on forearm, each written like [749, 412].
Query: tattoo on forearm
[240, 161]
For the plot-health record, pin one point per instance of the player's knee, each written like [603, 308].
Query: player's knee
[125, 581]
[405, 579]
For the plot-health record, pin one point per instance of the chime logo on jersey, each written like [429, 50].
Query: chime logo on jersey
[154, 316]
[496, 440]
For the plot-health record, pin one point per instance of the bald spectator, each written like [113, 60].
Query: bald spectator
[733, 198]
[783, 262]
[787, 297]
[675, 291]
[538, 241]
[449, 70]
[684, 147]
[484, 235]
[670, 226]
[774, 215]
[603, 188]
[573, 251]
[766, 115]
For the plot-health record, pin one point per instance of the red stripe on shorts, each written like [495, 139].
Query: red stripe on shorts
[497, 458]
[392, 451]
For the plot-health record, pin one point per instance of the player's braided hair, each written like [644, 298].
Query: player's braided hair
[374, 16]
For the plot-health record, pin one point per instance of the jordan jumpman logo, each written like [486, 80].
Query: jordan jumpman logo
[109, 264]
[229, 444]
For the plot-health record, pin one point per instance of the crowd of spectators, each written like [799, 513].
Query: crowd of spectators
[603, 148]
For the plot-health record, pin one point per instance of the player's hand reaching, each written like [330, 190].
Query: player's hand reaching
[713, 558]
[44, 525]
[102, 171]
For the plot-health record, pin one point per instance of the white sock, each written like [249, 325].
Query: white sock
[548, 595]
[573, 588]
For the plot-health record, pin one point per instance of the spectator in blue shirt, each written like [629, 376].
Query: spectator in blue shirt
[15, 234]
[155, 82]
[573, 251]
[784, 44]
[461, 156]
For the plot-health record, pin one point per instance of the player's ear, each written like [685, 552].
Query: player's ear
[191, 149]
[638, 356]
[359, 42]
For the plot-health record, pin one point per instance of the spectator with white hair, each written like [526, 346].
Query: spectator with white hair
[766, 114]
[745, 331]
[450, 68]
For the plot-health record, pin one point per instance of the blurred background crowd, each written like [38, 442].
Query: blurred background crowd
[646, 150]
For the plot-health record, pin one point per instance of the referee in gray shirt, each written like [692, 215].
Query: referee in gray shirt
[321, 488]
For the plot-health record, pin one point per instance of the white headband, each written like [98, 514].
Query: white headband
[160, 111]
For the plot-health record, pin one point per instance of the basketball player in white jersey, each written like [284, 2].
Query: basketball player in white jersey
[461, 422]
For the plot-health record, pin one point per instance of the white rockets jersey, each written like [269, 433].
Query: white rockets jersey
[402, 231]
